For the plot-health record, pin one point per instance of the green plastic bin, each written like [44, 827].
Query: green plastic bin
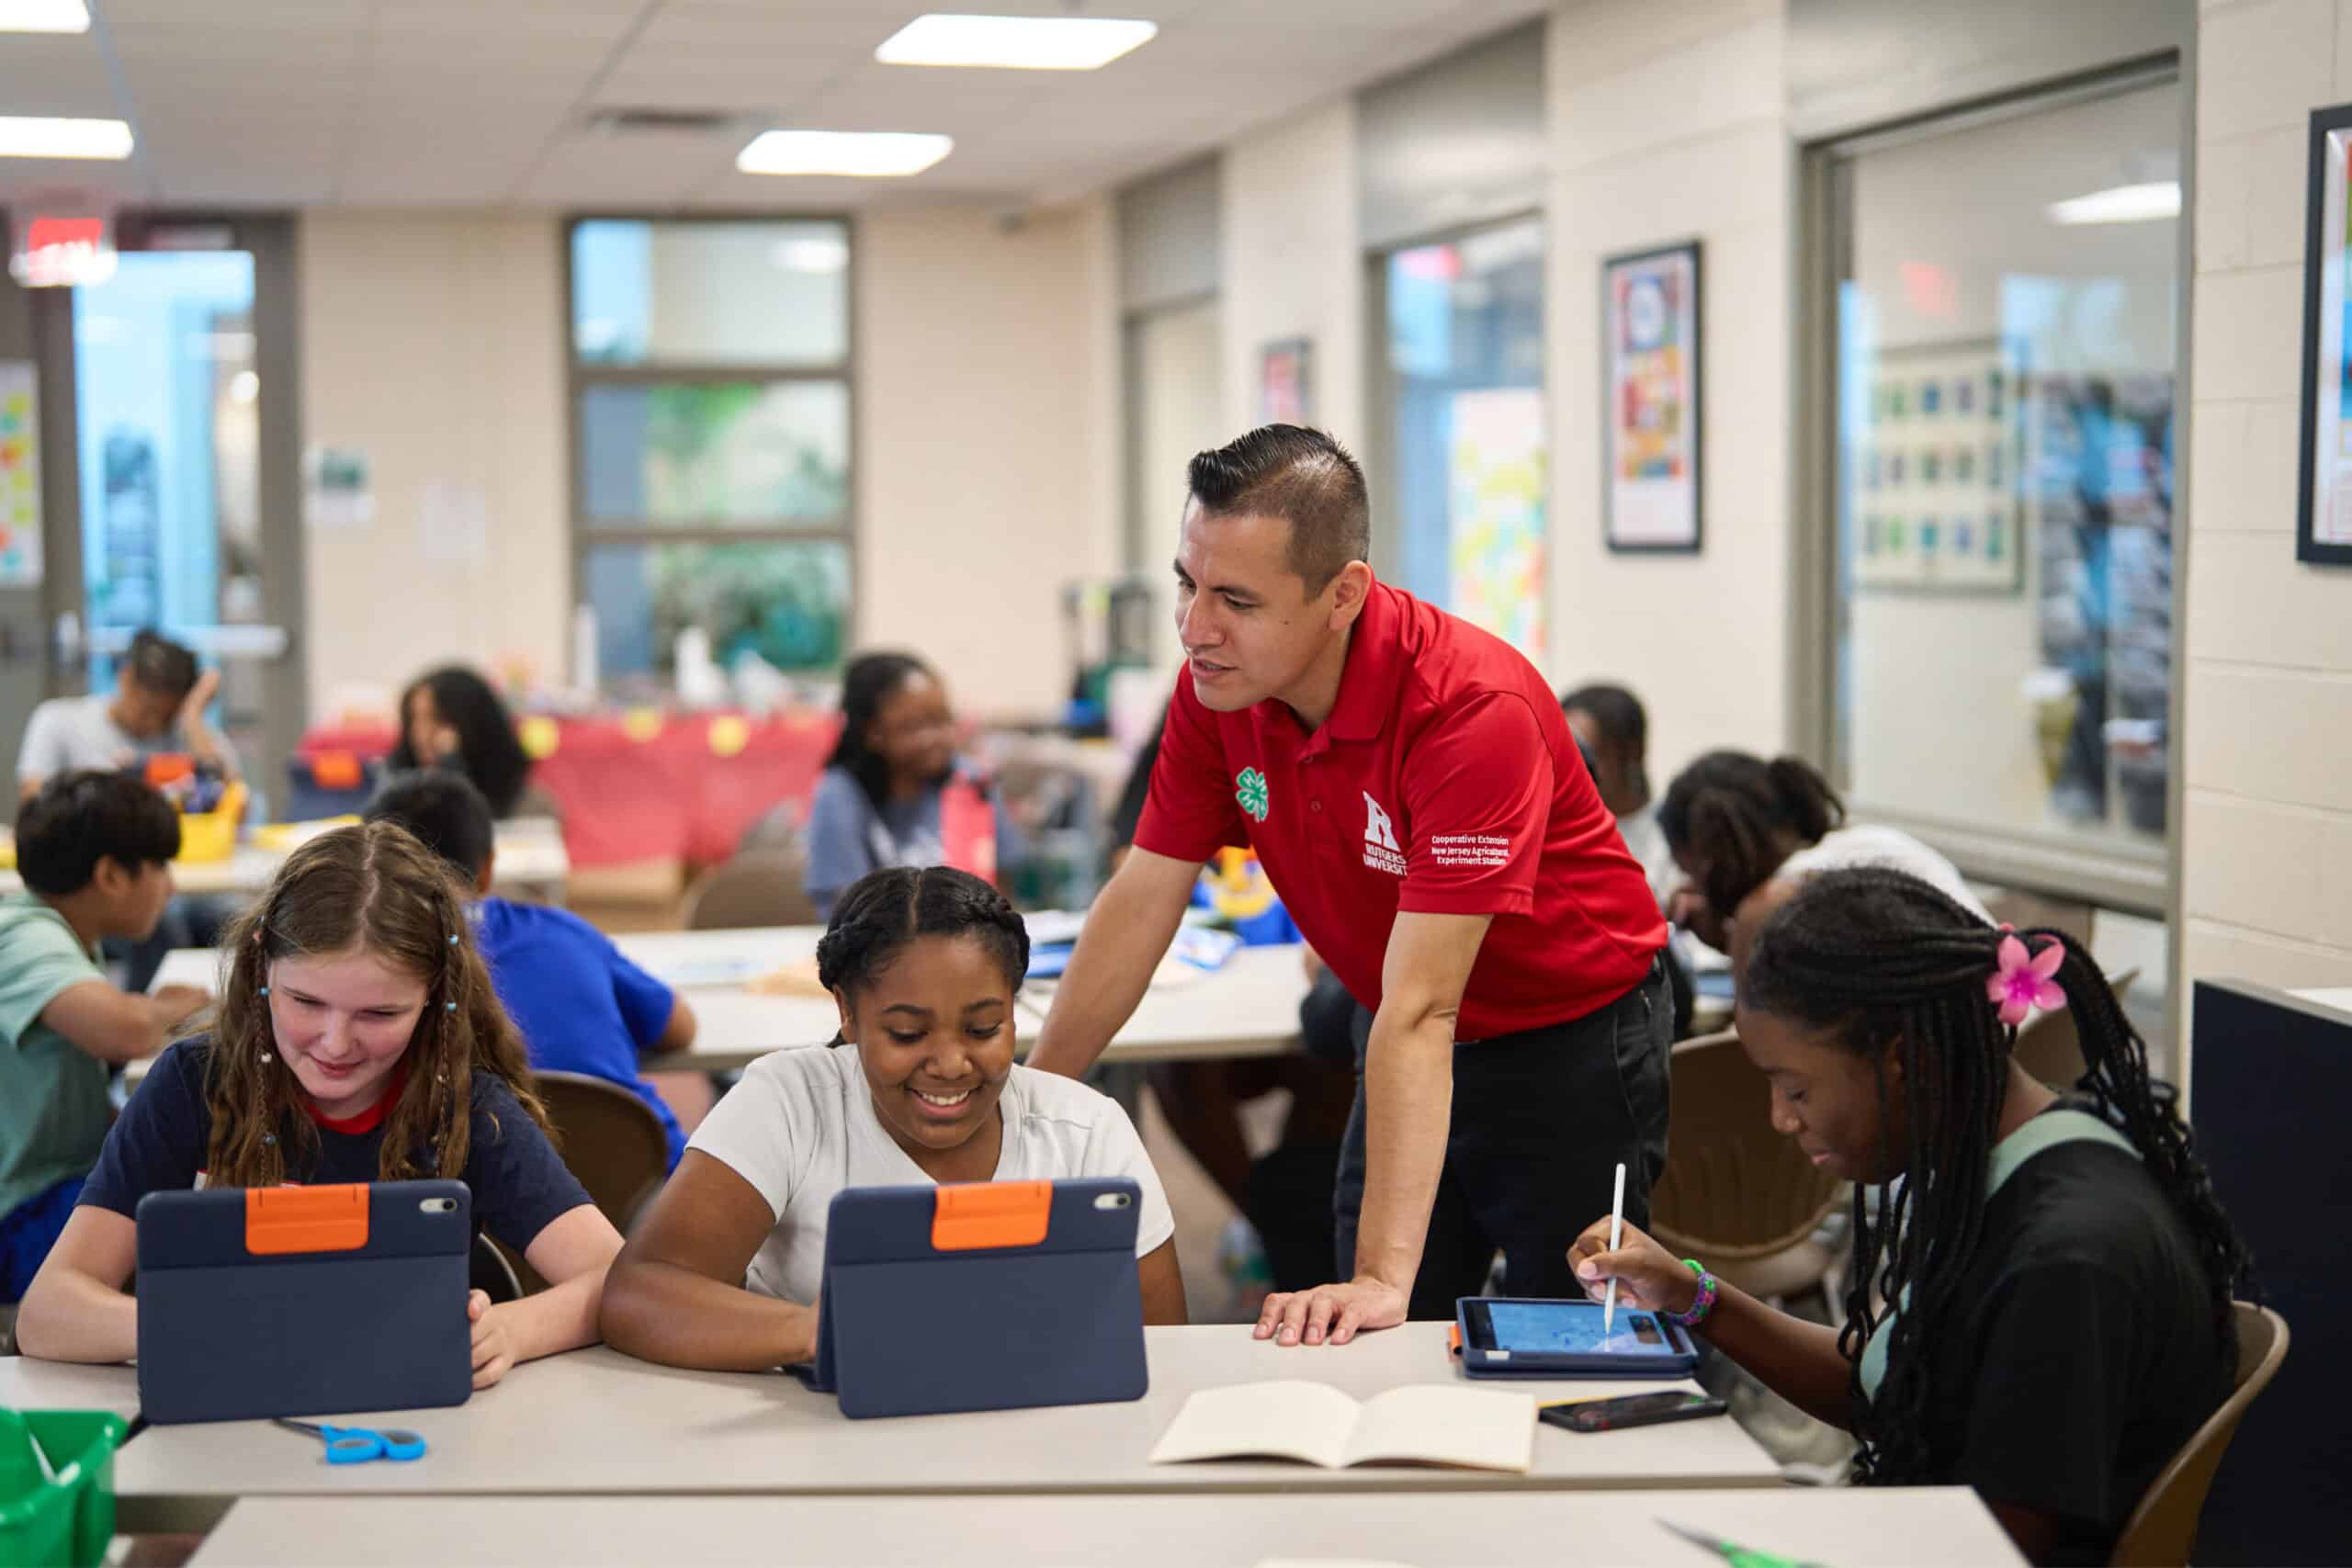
[66, 1522]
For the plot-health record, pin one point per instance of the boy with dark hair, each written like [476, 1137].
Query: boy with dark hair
[581, 1006]
[158, 705]
[95, 851]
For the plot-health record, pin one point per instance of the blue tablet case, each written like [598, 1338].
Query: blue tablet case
[989, 1296]
[303, 1301]
[1679, 1360]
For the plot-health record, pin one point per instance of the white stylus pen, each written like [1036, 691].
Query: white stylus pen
[1616, 1239]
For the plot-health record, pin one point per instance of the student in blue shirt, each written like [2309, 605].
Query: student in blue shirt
[582, 1008]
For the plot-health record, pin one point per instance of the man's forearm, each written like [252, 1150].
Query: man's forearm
[1408, 1107]
[1127, 933]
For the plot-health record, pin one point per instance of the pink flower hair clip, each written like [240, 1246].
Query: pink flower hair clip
[2019, 983]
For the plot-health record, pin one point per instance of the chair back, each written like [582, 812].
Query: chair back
[611, 1139]
[2162, 1531]
[756, 887]
[1735, 1191]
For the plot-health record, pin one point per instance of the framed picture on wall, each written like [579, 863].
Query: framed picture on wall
[1650, 400]
[2324, 512]
[1286, 382]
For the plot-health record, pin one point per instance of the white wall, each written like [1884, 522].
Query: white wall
[1666, 123]
[433, 345]
[988, 437]
[1293, 265]
[2268, 845]
[987, 440]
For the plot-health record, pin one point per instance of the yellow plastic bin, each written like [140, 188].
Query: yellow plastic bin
[212, 835]
[60, 1515]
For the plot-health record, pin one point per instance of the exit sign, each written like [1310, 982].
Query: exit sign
[62, 253]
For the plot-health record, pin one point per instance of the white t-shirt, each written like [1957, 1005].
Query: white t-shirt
[1890, 847]
[801, 1126]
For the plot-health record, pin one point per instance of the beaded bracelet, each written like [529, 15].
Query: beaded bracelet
[1705, 1303]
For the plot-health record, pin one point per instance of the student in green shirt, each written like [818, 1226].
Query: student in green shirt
[95, 851]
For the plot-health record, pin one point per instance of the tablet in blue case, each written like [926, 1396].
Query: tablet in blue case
[1511, 1336]
[989, 1296]
[303, 1301]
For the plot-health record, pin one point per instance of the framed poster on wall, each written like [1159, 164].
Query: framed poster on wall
[1650, 400]
[2323, 510]
[1286, 382]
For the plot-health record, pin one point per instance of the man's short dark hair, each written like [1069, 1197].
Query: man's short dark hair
[159, 664]
[1301, 476]
[446, 812]
[79, 818]
[1616, 710]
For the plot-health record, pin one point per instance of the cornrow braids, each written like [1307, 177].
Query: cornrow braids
[881, 913]
[1874, 959]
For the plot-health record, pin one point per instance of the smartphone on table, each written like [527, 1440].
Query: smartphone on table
[1633, 1410]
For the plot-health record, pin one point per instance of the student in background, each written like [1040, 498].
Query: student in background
[582, 1008]
[95, 851]
[723, 1272]
[451, 718]
[1737, 824]
[158, 706]
[2060, 1271]
[893, 794]
[1613, 732]
[359, 1040]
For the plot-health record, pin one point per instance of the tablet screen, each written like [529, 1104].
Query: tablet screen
[1562, 1328]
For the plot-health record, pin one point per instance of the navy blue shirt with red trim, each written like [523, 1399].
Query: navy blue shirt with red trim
[1444, 782]
[519, 1183]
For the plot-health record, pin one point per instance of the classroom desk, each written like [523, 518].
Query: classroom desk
[1941, 1526]
[531, 861]
[1249, 1007]
[596, 1421]
[29, 1384]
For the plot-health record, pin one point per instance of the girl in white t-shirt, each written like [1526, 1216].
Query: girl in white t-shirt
[1745, 832]
[723, 1272]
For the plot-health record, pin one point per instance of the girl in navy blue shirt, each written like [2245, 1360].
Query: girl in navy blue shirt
[359, 1040]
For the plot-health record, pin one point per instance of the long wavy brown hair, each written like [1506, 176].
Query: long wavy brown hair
[374, 889]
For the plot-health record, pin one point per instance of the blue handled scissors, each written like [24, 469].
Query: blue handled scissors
[357, 1445]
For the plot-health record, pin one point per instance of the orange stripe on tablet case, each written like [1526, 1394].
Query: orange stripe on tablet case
[305, 1219]
[991, 1213]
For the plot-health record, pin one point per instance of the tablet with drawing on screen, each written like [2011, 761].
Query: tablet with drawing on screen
[1511, 1336]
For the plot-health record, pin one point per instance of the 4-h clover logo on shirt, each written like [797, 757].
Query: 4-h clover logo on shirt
[1250, 790]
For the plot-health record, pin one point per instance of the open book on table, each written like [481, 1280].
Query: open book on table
[1474, 1429]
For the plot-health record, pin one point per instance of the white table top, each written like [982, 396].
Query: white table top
[531, 859]
[29, 1384]
[1935, 1527]
[596, 1421]
[1249, 1007]
[2336, 996]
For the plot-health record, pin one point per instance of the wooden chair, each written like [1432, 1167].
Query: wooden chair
[1737, 1195]
[611, 1139]
[756, 887]
[2049, 1045]
[2163, 1528]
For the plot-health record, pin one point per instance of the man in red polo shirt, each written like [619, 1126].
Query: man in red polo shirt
[1413, 792]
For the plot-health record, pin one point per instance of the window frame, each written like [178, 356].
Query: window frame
[2142, 880]
[590, 535]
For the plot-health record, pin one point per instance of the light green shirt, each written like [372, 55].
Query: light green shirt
[54, 1110]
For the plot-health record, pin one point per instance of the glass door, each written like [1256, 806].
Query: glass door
[170, 458]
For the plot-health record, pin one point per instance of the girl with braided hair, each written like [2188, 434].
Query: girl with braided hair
[919, 1087]
[357, 1039]
[2043, 1301]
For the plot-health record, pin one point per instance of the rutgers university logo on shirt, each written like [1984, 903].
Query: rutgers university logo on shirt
[1381, 851]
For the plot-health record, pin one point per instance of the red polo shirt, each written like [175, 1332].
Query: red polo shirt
[1444, 782]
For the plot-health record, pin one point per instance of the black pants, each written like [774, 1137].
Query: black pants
[1541, 1120]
